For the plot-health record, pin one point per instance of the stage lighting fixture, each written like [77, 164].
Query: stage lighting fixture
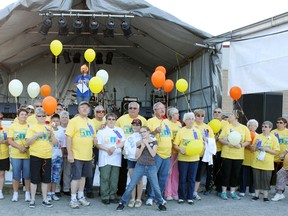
[77, 57]
[99, 58]
[66, 57]
[93, 26]
[109, 31]
[78, 26]
[109, 58]
[46, 25]
[126, 28]
[63, 27]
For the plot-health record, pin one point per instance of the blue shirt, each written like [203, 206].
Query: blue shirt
[85, 79]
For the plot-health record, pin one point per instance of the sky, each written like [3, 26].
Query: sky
[220, 16]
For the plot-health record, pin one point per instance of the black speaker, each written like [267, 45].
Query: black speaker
[125, 103]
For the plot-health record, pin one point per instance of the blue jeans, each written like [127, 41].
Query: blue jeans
[163, 166]
[187, 174]
[19, 165]
[83, 98]
[139, 172]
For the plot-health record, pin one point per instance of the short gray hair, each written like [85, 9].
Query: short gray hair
[171, 111]
[269, 123]
[64, 114]
[134, 103]
[156, 105]
[253, 121]
[39, 110]
[187, 115]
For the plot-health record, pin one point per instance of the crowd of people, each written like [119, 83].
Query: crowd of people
[45, 151]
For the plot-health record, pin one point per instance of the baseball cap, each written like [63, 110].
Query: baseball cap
[83, 102]
[136, 121]
[30, 107]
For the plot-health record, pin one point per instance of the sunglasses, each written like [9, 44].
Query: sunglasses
[111, 119]
[279, 122]
[43, 116]
[134, 108]
[200, 115]
[100, 111]
[217, 111]
[38, 106]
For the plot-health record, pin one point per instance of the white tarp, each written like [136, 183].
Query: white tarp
[259, 63]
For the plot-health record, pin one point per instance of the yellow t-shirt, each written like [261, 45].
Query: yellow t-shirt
[42, 147]
[32, 119]
[282, 137]
[183, 137]
[270, 142]
[206, 131]
[4, 149]
[18, 133]
[97, 124]
[234, 153]
[124, 122]
[285, 162]
[248, 155]
[174, 126]
[82, 137]
[164, 138]
[223, 125]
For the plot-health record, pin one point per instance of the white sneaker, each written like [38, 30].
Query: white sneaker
[49, 198]
[83, 202]
[55, 197]
[149, 202]
[15, 198]
[169, 198]
[196, 197]
[27, 197]
[278, 197]
[241, 194]
[1, 196]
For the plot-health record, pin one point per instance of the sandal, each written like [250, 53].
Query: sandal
[138, 203]
[131, 203]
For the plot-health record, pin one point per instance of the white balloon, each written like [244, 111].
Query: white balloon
[103, 75]
[15, 87]
[234, 138]
[33, 89]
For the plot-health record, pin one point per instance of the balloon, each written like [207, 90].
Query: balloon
[168, 85]
[103, 75]
[158, 79]
[33, 89]
[194, 147]
[162, 69]
[235, 92]
[15, 87]
[215, 124]
[45, 90]
[181, 85]
[234, 138]
[56, 47]
[89, 55]
[96, 85]
[49, 105]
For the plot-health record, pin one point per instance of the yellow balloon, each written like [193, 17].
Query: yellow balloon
[194, 147]
[96, 85]
[89, 55]
[181, 85]
[56, 47]
[215, 124]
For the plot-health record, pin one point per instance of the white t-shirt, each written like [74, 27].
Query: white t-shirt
[60, 136]
[64, 131]
[130, 146]
[109, 137]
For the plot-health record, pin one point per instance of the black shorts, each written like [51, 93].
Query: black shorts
[4, 164]
[40, 170]
[81, 169]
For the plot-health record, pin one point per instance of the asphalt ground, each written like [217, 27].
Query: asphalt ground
[209, 205]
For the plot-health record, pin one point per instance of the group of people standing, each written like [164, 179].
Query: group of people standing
[42, 148]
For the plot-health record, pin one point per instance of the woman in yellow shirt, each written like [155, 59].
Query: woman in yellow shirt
[266, 146]
[4, 155]
[19, 154]
[187, 165]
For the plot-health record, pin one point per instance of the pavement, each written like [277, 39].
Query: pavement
[209, 205]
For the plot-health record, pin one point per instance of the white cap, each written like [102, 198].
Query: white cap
[30, 107]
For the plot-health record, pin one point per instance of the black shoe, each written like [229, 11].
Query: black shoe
[255, 198]
[106, 202]
[190, 202]
[67, 193]
[162, 208]
[47, 204]
[120, 207]
[266, 200]
[180, 201]
[114, 201]
[58, 194]
[90, 195]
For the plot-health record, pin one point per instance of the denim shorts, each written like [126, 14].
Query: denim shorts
[56, 169]
[131, 164]
[19, 166]
[81, 169]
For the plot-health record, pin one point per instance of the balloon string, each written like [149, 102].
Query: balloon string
[89, 68]
[187, 102]
[16, 104]
[56, 88]
[242, 110]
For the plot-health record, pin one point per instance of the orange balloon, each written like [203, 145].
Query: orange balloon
[49, 105]
[158, 79]
[45, 90]
[168, 85]
[253, 134]
[235, 92]
[162, 69]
